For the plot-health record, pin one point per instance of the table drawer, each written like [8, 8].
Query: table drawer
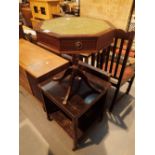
[78, 44]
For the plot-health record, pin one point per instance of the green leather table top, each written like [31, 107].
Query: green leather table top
[75, 26]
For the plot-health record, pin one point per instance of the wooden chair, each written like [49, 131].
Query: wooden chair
[114, 60]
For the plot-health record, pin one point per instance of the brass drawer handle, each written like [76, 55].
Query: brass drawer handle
[78, 45]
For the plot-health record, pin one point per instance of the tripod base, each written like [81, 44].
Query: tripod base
[74, 72]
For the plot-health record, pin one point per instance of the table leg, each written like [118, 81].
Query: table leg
[84, 77]
[48, 117]
[66, 73]
[69, 88]
[45, 106]
[102, 110]
[75, 71]
[75, 126]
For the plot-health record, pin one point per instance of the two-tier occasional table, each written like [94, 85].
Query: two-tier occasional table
[75, 35]
[84, 106]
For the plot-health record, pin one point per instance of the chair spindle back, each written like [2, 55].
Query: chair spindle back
[113, 57]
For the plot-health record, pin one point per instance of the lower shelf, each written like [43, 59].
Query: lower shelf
[66, 124]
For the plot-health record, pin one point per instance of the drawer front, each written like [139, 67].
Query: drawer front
[48, 40]
[78, 44]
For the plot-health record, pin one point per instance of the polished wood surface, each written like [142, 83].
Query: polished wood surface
[36, 60]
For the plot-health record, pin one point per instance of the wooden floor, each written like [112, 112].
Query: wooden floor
[113, 136]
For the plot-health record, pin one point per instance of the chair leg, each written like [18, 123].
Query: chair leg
[130, 84]
[86, 60]
[114, 100]
[81, 58]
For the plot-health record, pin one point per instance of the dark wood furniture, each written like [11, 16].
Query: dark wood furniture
[21, 32]
[75, 35]
[23, 35]
[114, 60]
[36, 65]
[83, 108]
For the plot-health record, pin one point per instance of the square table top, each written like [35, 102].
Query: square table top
[82, 98]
